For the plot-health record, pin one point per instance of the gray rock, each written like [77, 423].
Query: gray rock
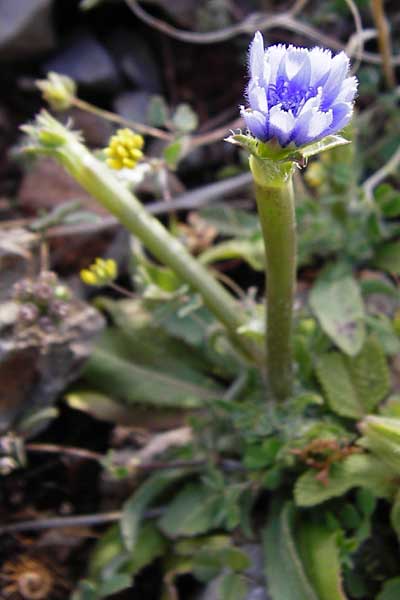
[17, 250]
[25, 28]
[133, 105]
[87, 62]
[134, 57]
[34, 370]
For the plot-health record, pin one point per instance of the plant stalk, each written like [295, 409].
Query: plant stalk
[114, 195]
[275, 203]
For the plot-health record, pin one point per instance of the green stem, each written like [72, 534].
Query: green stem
[275, 203]
[118, 200]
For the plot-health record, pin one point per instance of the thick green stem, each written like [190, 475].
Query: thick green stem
[275, 203]
[115, 196]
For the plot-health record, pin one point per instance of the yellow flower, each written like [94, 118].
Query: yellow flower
[100, 273]
[124, 149]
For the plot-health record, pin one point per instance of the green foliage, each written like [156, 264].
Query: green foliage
[352, 386]
[390, 590]
[387, 257]
[357, 470]
[382, 437]
[232, 586]
[193, 511]
[185, 119]
[135, 506]
[320, 554]
[284, 569]
[338, 305]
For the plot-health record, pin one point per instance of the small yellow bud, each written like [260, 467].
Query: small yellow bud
[57, 90]
[88, 277]
[101, 272]
[124, 149]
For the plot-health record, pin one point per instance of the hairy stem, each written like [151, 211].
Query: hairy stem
[101, 183]
[275, 203]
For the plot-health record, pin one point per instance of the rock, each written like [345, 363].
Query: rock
[34, 370]
[86, 61]
[25, 28]
[133, 105]
[133, 56]
[46, 185]
[17, 250]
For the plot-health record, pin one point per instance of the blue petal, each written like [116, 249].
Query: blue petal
[321, 61]
[312, 126]
[338, 72]
[348, 90]
[281, 123]
[256, 56]
[342, 112]
[257, 96]
[274, 56]
[256, 123]
[301, 79]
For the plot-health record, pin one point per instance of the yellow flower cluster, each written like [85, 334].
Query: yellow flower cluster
[101, 272]
[124, 149]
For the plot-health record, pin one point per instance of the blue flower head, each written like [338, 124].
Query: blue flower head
[295, 95]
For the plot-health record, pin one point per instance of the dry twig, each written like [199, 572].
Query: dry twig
[384, 42]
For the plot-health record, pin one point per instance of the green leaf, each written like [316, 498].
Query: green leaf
[354, 386]
[390, 590]
[249, 250]
[339, 308]
[192, 511]
[382, 437]
[149, 545]
[395, 515]
[114, 584]
[285, 573]
[207, 563]
[157, 112]
[327, 143]
[185, 119]
[387, 258]
[320, 554]
[174, 151]
[232, 586]
[357, 470]
[135, 506]
[117, 377]
[107, 548]
[388, 199]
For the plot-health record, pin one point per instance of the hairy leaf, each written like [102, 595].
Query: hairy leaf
[320, 554]
[354, 386]
[122, 379]
[387, 258]
[134, 507]
[382, 437]
[391, 590]
[339, 308]
[232, 586]
[357, 470]
[193, 511]
[285, 573]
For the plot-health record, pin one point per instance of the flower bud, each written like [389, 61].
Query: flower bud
[58, 90]
[101, 272]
